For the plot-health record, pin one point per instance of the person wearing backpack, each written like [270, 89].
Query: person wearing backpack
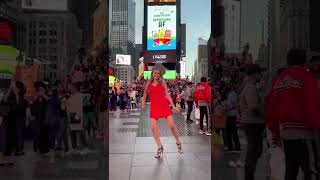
[189, 99]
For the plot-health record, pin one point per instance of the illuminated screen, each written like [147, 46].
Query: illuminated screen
[8, 62]
[154, 1]
[162, 27]
[170, 74]
[122, 59]
[112, 79]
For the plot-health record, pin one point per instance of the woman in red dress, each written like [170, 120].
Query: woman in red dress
[160, 107]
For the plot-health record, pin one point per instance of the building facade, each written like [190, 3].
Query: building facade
[122, 32]
[231, 26]
[136, 60]
[54, 38]
[125, 74]
[253, 12]
[202, 60]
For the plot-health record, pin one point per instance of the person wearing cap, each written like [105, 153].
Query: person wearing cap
[293, 115]
[251, 106]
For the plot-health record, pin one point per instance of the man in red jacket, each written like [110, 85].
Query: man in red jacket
[292, 115]
[202, 99]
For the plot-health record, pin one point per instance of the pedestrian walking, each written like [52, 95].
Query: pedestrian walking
[252, 118]
[202, 98]
[293, 116]
[189, 99]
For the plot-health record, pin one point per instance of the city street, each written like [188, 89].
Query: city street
[132, 150]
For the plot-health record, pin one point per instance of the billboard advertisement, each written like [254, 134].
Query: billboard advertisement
[160, 57]
[8, 59]
[162, 1]
[162, 29]
[112, 80]
[56, 5]
[170, 74]
[122, 59]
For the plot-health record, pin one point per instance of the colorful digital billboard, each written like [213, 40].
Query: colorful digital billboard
[8, 59]
[112, 80]
[170, 74]
[162, 28]
[162, 1]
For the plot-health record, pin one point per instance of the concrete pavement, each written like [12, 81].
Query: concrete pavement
[132, 150]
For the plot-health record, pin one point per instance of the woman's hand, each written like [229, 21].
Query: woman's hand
[143, 106]
[176, 110]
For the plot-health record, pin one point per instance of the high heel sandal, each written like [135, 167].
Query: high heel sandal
[159, 152]
[179, 148]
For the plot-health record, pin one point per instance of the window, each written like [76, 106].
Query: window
[42, 25]
[53, 41]
[42, 41]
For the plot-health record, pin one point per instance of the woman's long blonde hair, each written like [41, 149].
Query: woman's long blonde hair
[159, 67]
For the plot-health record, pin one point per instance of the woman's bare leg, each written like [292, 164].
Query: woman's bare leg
[173, 128]
[155, 131]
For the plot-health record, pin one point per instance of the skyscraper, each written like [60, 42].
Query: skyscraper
[122, 33]
[231, 26]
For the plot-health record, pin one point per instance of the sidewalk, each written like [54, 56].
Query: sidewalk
[132, 150]
[223, 171]
[74, 167]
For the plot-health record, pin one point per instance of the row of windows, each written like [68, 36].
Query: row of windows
[43, 41]
[33, 24]
[43, 33]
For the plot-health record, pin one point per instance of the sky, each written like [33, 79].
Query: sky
[197, 17]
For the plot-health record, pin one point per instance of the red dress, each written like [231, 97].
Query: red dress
[160, 106]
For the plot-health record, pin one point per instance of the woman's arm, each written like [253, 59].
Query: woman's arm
[167, 93]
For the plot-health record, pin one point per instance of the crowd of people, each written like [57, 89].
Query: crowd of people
[57, 112]
[184, 94]
[285, 115]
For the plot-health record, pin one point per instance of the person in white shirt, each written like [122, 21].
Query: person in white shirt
[133, 99]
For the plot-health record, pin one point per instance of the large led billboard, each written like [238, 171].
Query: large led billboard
[161, 1]
[8, 62]
[56, 5]
[162, 29]
[123, 59]
[170, 74]
[112, 80]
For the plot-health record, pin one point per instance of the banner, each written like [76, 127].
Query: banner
[162, 27]
[160, 57]
[28, 74]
